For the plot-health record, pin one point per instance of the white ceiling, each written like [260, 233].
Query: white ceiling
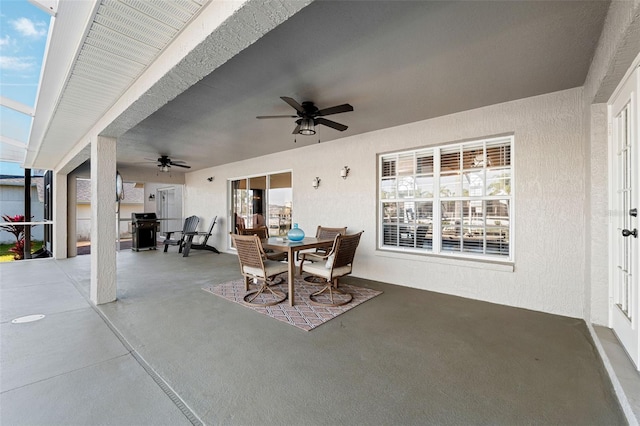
[395, 61]
[86, 72]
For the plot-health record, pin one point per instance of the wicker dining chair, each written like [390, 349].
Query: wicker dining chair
[263, 233]
[336, 264]
[318, 254]
[255, 266]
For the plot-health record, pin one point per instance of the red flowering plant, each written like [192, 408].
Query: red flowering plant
[17, 231]
[18, 250]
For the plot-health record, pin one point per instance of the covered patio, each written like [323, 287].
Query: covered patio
[513, 102]
[169, 353]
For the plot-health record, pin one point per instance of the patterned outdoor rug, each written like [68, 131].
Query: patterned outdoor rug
[303, 315]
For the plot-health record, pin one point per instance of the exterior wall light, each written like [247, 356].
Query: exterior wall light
[345, 172]
[316, 182]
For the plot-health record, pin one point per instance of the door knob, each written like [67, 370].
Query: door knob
[626, 233]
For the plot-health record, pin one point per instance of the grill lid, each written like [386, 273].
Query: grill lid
[138, 217]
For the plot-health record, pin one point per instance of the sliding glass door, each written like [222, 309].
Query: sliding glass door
[262, 201]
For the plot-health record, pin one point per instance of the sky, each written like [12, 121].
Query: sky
[23, 36]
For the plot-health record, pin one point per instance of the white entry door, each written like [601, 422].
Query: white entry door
[166, 207]
[623, 113]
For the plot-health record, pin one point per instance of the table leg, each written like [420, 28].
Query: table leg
[292, 272]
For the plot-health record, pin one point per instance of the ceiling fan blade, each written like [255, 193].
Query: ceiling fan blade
[296, 130]
[180, 165]
[293, 103]
[335, 109]
[331, 124]
[276, 116]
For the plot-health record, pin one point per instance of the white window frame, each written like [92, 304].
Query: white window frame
[437, 200]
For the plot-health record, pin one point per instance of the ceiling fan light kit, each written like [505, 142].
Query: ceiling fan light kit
[307, 127]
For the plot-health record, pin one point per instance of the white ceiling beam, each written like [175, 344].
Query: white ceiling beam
[13, 142]
[66, 36]
[47, 6]
[12, 151]
[16, 106]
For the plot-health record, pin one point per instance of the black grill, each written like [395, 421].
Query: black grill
[144, 227]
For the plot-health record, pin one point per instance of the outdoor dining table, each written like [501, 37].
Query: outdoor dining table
[292, 247]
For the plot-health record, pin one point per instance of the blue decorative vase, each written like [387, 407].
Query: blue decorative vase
[295, 233]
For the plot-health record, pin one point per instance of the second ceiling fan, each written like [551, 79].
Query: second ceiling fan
[310, 116]
[165, 163]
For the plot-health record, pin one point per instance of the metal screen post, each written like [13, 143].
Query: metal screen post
[27, 213]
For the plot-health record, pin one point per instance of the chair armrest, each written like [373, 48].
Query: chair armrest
[276, 255]
[303, 257]
[317, 256]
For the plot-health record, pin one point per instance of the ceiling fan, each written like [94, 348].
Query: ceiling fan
[310, 116]
[165, 163]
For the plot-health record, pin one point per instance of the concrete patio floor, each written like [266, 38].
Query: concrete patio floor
[169, 353]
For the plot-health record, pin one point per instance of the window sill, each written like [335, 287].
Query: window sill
[443, 259]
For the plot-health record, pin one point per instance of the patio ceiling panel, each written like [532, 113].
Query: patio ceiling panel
[108, 80]
[134, 24]
[109, 40]
[110, 62]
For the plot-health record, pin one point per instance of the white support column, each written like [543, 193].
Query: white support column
[103, 230]
[72, 216]
[59, 215]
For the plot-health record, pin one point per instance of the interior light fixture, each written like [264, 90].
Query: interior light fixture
[165, 168]
[316, 182]
[307, 127]
[345, 172]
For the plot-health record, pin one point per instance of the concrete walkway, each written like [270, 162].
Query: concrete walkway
[169, 353]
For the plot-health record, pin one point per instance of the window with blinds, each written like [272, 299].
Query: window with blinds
[451, 200]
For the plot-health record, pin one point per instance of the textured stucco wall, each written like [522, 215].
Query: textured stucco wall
[598, 249]
[549, 201]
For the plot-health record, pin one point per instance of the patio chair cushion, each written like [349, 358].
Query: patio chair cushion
[271, 268]
[321, 270]
[329, 263]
